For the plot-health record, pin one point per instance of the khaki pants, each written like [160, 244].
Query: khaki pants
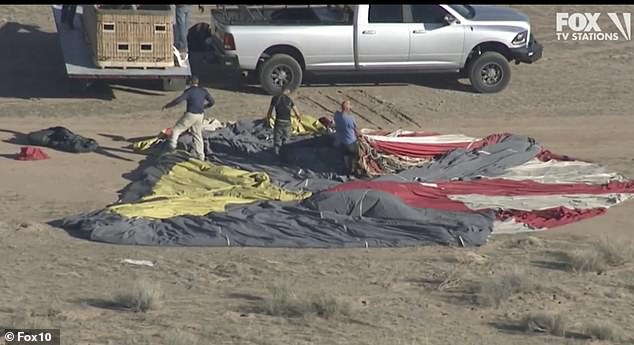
[195, 122]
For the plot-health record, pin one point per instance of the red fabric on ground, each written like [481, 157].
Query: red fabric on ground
[426, 150]
[409, 135]
[421, 196]
[30, 153]
[503, 187]
[492, 187]
[413, 194]
[550, 218]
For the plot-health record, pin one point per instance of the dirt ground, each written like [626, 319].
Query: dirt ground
[577, 100]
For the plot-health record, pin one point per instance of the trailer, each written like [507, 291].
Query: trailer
[82, 70]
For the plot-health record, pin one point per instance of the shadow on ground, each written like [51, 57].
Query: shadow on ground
[104, 304]
[516, 329]
[33, 66]
[222, 78]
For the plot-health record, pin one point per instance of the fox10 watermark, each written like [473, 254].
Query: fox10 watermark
[31, 337]
[577, 26]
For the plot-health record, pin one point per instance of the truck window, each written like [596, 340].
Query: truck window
[433, 16]
[385, 14]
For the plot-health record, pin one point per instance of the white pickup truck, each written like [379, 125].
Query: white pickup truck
[281, 44]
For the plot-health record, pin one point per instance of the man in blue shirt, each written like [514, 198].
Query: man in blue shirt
[347, 134]
[193, 117]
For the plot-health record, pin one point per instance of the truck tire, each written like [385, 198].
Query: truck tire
[278, 71]
[173, 84]
[489, 73]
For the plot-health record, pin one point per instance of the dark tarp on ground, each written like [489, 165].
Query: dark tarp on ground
[352, 218]
[490, 161]
[62, 139]
[310, 163]
[322, 221]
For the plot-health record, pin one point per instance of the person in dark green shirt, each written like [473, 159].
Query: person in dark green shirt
[282, 130]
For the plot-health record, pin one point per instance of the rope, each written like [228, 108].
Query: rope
[373, 163]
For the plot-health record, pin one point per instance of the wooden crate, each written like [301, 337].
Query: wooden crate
[130, 38]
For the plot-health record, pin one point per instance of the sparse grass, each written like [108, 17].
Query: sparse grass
[501, 286]
[555, 324]
[181, 338]
[584, 260]
[600, 256]
[141, 296]
[603, 330]
[451, 279]
[616, 252]
[283, 302]
[526, 243]
[28, 320]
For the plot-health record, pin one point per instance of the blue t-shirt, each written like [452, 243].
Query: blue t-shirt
[195, 97]
[345, 127]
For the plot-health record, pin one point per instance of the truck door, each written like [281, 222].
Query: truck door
[383, 39]
[437, 41]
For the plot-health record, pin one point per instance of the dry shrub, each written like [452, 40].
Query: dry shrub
[616, 252]
[526, 243]
[555, 324]
[283, 302]
[141, 296]
[600, 256]
[603, 330]
[502, 286]
[451, 279]
[585, 260]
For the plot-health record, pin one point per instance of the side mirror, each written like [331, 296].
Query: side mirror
[449, 19]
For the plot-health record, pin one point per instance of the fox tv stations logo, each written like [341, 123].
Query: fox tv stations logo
[588, 27]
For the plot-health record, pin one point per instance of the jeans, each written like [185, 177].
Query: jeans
[68, 14]
[281, 132]
[195, 122]
[183, 12]
[350, 157]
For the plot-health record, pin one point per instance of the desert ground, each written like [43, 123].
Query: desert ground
[577, 100]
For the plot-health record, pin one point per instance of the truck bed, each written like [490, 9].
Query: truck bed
[281, 15]
[79, 62]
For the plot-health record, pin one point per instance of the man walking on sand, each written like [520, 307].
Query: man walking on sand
[347, 134]
[283, 104]
[193, 116]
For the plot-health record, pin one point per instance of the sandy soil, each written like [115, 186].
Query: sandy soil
[577, 100]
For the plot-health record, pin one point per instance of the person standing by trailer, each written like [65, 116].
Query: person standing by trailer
[282, 130]
[193, 116]
[68, 15]
[347, 133]
[183, 13]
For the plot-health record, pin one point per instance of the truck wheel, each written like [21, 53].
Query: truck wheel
[489, 72]
[173, 84]
[278, 71]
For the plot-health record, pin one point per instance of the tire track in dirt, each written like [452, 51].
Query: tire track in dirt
[393, 109]
[362, 115]
[379, 107]
[331, 104]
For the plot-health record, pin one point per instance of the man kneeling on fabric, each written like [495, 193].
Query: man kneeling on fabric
[193, 116]
[347, 133]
